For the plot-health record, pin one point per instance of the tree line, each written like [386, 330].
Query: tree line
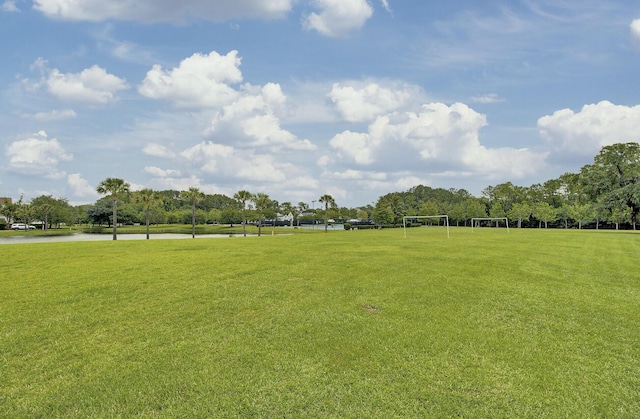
[606, 192]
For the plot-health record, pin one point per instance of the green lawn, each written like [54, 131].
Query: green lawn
[534, 323]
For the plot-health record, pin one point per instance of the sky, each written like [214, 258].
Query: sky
[302, 98]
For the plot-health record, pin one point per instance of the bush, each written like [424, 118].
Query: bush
[347, 226]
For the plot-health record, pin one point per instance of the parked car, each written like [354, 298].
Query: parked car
[20, 226]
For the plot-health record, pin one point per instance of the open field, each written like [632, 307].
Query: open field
[534, 323]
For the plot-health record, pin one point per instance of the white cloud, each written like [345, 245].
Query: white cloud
[158, 150]
[360, 147]
[226, 161]
[635, 32]
[254, 117]
[488, 98]
[178, 184]
[361, 104]
[338, 17]
[80, 186]
[163, 10]
[594, 126]
[54, 115]
[435, 138]
[9, 6]
[37, 155]
[199, 81]
[385, 4]
[91, 86]
[158, 172]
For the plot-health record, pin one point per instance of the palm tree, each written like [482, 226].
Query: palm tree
[193, 195]
[114, 187]
[148, 198]
[328, 202]
[242, 197]
[262, 201]
[302, 207]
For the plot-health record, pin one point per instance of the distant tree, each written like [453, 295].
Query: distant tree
[329, 203]
[261, 201]
[496, 210]
[9, 211]
[148, 199]
[519, 211]
[113, 187]
[214, 215]
[193, 196]
[231, 215]
[43, 207]
[544, 212]
[614, 178]
[582, 213]
[382, 213]
[301, 208]
[242, 197]
[287, 209]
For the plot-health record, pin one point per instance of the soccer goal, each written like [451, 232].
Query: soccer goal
[415, 217]
[496, 219]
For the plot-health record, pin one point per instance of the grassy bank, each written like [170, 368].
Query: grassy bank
[347, 324]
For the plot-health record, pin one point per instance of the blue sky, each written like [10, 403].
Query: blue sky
[301, 98]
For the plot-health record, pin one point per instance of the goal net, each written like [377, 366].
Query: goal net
[496, 219]
[416, 217]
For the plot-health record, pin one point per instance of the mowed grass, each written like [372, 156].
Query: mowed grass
[534, 323]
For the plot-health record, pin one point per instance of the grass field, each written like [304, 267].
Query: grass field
[534, 323]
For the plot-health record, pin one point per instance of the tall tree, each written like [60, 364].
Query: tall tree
[328, 202]
[148, 199]
[261, 201]
[582, 213]
[519, 211]
[242, 197]
[614, 178]
[193, 196]
[113, 187]
[544, 213]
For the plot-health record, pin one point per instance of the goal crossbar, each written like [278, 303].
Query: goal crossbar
[505, 219]
[415, 217]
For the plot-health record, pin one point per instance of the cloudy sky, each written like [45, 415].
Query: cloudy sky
[300, 98]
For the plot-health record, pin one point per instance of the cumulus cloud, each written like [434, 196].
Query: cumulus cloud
[434, 138]
[199, 81]
[80, 186]
[338, 17]
[228, 162]
[594, 126]
[635, 33]
[254, 117]
[163, 10]
[365, 103]
[93, 86]
[37, 155]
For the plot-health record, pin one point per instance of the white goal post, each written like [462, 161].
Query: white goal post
[415, 217]
[505, 219]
